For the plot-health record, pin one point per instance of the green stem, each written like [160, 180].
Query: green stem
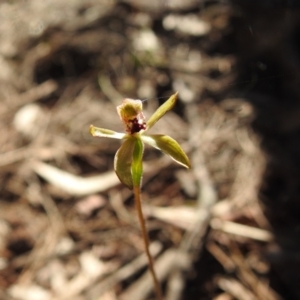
[137, 198]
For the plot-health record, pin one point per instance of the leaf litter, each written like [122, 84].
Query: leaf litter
[65, 69]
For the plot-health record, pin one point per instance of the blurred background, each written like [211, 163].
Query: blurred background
[226, 229]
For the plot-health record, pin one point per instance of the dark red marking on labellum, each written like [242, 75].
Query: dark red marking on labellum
[136, 125]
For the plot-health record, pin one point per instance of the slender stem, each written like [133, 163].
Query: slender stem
[137, 198]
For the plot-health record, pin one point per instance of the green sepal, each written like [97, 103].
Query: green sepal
[123, 162]
[137, 163]
[102, 132]
[162, 110]
[169, 146]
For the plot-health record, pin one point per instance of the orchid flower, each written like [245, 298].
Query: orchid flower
[128, 159]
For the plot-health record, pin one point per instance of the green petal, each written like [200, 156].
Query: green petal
[102, 132]
[162, 110]
[123, 162]
[137, 163]
[169, 146]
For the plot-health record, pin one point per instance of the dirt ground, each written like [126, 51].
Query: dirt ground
[68, 228]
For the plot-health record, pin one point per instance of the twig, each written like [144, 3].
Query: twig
[242, 230]
[175, 285]
[75, 185]
[235, 288]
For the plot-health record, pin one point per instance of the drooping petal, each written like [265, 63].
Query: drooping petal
[162, 110]
[137, 163]
[102, 132]
[123, 162]
[169, 146]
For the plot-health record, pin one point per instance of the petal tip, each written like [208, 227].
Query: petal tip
[188, 166]
[92, 130]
